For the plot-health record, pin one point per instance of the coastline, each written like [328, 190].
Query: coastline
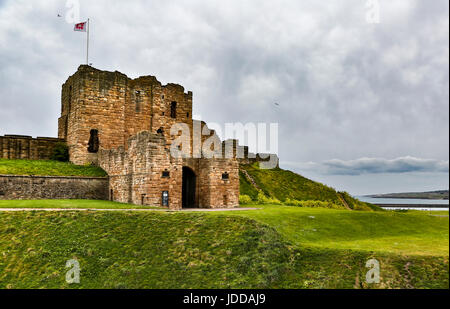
[414, 205]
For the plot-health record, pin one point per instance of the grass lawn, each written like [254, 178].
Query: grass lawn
[48, 168]
[275, 247]
[405, 233]
[71, 204]
[438, 213]
[332, 246]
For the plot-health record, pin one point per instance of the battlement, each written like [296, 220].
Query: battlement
[106, 79]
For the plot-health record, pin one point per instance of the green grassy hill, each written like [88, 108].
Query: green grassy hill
[48, 168]
[286, 185]
[139, 250]
[274, 247]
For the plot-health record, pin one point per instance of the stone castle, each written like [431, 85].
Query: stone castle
[124, 126]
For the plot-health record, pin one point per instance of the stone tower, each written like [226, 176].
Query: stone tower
[107, 108]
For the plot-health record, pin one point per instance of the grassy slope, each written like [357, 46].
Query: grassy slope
[332, 246]
[277, 246]
[47, 168]
[139, 250]
[284, 184]
[287, 247]
[410, 233]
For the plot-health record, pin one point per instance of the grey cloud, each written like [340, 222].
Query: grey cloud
[375, 166]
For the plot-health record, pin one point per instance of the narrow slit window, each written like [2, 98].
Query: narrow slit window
[138, 101]
[173, 110]
[225, 176]
[70, 100]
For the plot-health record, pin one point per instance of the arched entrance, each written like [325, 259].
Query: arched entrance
[188, 189]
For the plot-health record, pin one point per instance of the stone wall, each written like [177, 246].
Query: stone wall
[52, 187]
[136, 175]
[218, 192]
[266, 161]
[231, 148]
[26, 147]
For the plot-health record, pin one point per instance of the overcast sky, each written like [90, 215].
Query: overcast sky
[363, 107]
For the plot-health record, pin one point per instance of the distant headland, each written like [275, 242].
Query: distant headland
[430, 195]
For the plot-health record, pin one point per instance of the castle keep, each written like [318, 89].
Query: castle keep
[124, 126]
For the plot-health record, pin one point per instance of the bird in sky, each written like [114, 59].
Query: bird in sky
[277, 104]
[59, 15]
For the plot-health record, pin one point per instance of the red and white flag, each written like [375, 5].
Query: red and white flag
[80, 27]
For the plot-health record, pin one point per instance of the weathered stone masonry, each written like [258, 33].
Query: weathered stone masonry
[52, 187]
[142, 173]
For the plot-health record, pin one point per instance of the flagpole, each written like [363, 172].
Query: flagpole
[87, 45]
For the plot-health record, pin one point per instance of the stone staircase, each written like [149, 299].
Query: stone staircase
[250, 179]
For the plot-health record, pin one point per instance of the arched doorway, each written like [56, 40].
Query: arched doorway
[188, 190]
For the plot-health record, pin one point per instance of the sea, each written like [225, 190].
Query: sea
[404, 203]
